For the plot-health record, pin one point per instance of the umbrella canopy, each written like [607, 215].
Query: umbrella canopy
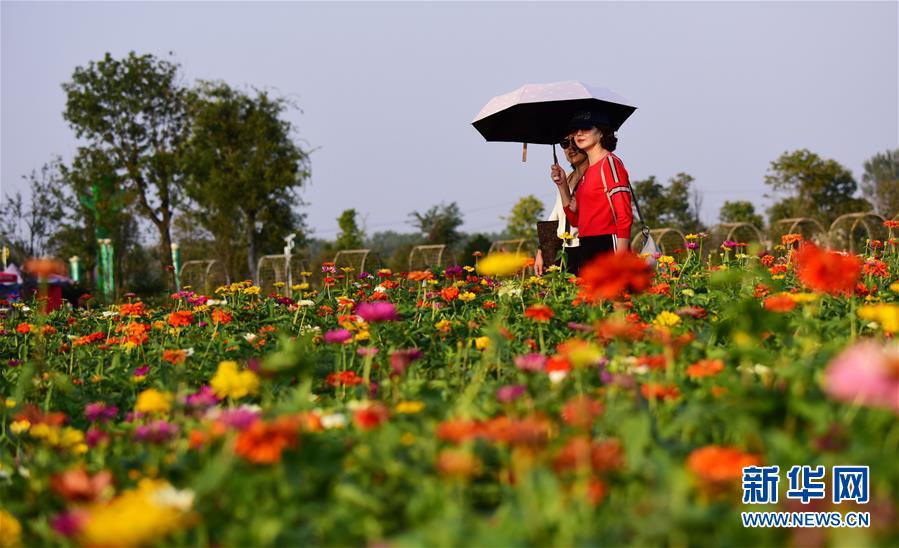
[539, 113]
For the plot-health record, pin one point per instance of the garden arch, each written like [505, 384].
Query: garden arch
[203, 276]
[425, 257]
[845, 229]
[811, 230]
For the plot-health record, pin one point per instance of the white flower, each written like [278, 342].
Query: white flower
[169, 496]
[380, 289]
[305, 302]
[556, 377]
[189, 351]
[109, 313]
[334, 420]
[250, 337]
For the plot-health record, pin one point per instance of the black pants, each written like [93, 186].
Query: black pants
[590, 248]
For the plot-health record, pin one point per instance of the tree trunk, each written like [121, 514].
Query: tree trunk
[251, 245]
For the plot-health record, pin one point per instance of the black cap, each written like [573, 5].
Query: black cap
[587, 119]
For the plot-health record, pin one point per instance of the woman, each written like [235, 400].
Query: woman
[601, 206]
[578, 161]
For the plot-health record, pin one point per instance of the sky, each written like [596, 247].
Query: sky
[387, 91]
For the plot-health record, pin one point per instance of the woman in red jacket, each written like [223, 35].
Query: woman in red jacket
[601, 205]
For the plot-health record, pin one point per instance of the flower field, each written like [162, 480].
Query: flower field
[460, 407]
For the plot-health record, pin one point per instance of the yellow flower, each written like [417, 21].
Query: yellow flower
[363, 335]
[231, 383]
[467, 268]
[278, 284]
[802, 298]
[407, 438]
[138, 516]
[466, 296]
[409, 407]
[10, 530]
[566, 236]
[666, 319]
[153, 401]
[554, 268]
[582, 353]
[502, 264]
[482, 343]
[17, 427]
[10, 403]
[666, 259]
[443, 325]
[887, 315]
[894, 287]
[252, 290]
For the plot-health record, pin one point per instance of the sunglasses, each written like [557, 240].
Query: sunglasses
[567, 143]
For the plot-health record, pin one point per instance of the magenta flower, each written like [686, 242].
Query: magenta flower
[69, 523]
[94, 436]
[378, 311]
[158, 431]
[865, 373]
[510, 393]
[240, 418]
[400, 359]
[142, 371]
[367, 351]
[730, 244]
[202, 398]
[338, 336]
[100, 412]
[692, 245]
[530, 362]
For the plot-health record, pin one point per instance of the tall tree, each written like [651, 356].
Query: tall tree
[350, 236]
[811, 186]
[440, 224]
[134, 110]
[29, 225]
[880, 183]
[244, 167]
[522, 220]
[740, 211]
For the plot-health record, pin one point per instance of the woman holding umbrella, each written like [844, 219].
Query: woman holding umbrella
[601, 205]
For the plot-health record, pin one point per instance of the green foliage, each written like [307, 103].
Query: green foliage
[675, 205]
[740, 211]
[812, 187]
[134, 112]
[28, 226]
[440, 224]
[522, 221]
[880, 183]
[244, 169]
[476, 242]
[350, 236]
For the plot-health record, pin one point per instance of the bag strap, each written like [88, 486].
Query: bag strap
[643, 227]
[573, 192]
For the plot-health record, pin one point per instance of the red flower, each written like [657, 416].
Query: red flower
[344, 378]
[262, 442]
[370, 416]
[714, 464]
[449, 293]
[826, 271]
[612, 275]
[580, 411]
[219, 316]
[539, 313]
[658, 391]
[23, 328]
[779, 303]
[705, 368]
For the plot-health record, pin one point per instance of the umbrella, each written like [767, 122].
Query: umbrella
[539, 113]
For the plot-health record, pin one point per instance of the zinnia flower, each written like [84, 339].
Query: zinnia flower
[866, 373]
[153, 401]
[181, 318]
[715, 464]
[705, 368]
[377, 312]
[502, 264]
[510, 393]
[611, 275]
[228, 382]
[827, 271]
[338, 336]
[263, 442]
[539, 313]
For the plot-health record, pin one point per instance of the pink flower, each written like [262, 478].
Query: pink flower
[530, 362]
[867, 373]
[400, 359]
[510, 392]
[338, 336]
[379, 311]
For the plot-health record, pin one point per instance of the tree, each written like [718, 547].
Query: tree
[812, 187]
[880, 183]
[244, 168]
[134, 111]
[675, 205]
[28, 226]
[350, 236]
[740, 212]
[522, 221]
[440, 224]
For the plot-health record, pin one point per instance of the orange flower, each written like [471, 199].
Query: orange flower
[458, 430]
[715, 464]
[449, 293]
[788, 239]
[608, 330]
[174, 357]
[262, 443]
[457, 464]
[612, 275]
[24, 328]
[596, 491]
[181, 318]
[705, 368]
[420, 275]
[76, 485]
[219, 316]
[891, 224]
[779, 303]
[132, 309]
[658, 391]
[530, 431]
[876, 268]
[539, 313]
[829, 272]
[581, 453]
[580, 411]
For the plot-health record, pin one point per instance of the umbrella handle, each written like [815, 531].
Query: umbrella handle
[555, 158]
[524, 152]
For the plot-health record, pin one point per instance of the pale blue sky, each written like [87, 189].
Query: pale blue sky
[388, 90]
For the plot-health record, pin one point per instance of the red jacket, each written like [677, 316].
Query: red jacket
[593, 216]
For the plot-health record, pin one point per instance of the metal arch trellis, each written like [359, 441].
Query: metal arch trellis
[732, 229]
[859, 218]
[200, 275]
[423, 257]
[823, 236]
[513, 246]
[354, 258]
[662, 237]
